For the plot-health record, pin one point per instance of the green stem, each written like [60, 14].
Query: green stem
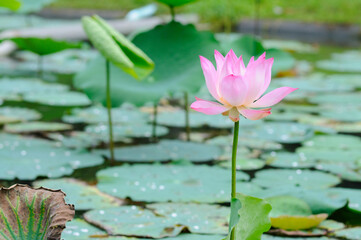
[186, 108]
[155, 113]
[234, 170]
[172, 12]
[109, 108]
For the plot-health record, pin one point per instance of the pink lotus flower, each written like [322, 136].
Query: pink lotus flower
[239, 89]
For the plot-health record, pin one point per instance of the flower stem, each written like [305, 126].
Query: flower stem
[109, 108]
[172, 13]
[186, 108]
[234, 170]
[154, 130]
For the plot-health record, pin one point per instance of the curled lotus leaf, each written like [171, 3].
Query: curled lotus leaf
[33, 213]
[116, 48]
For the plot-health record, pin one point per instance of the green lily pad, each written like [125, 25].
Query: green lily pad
[350, 233]
[43, 46]
[198, 218]
[287, 160]
[331, 225]
[289, 45]
[30, 127]
[313, 84]
[337, 98]
[198, 120]
[128, 131]
[163, 44]
[350, 79]
[288, 205]
[63, 99]
[329, 155]
[269, 237]
[297, 178]
[166, 150]
[292, 213]
[279, 132]
[35, 157]
[83, 196]
[339, 141]
[80, 229]
[244, 164]
[342, 113]
[29, 86]
[16, 114]
[353, 196]
[319, 200]
[133, 221]
[43, 214]
[75, 140]
[319, 121]
[344, 171]
[226, 141]
[348, 61]
[162, 183]
[98, 114]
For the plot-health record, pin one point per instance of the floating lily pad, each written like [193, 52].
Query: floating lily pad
[331, 225]
[98, 114]
[198, 218]
[162, 183]
[288, 205]
[133, 221]
[269, 237]
[337, 98]
[29, 86]
[30, 127]
[287, 160]
[292, 213]
[198, 120]
[297, 178]
[16, 114]
[319, 200]
[79, 229]
[62, 99]
[128, 131]
[253, 143]
[343, 127]
[345, 171]
[83, 196]
[166, 150]
[350, 79]
[350, 233]
[342, 113]
[76, 140]
[43, 214]
[329, 155]
[298, 222]
[353, 196]
[28, 158]
[339, 141]
[245, 164]
[349, 61]
[279, 132]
